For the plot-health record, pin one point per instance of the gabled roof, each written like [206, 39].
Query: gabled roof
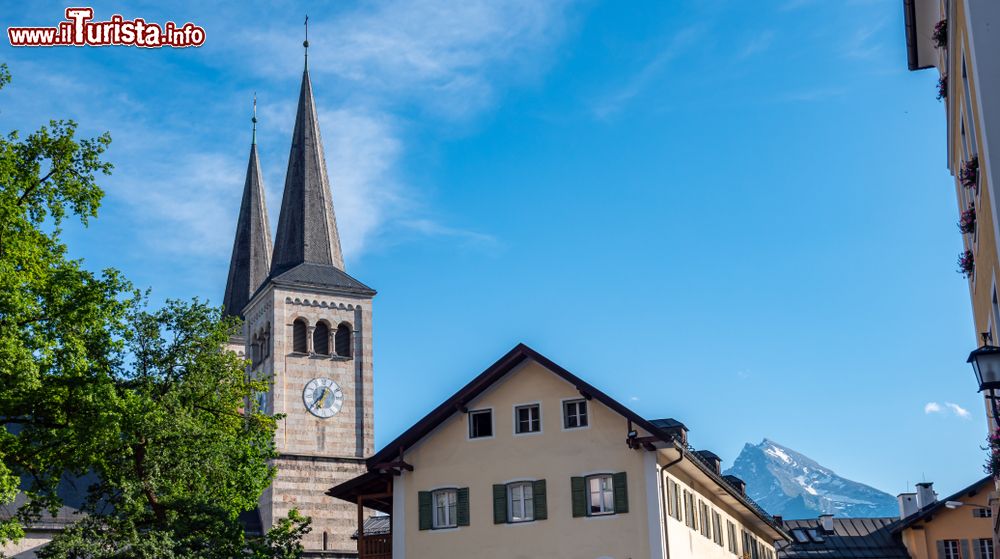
[852, 538]
[663, 430]
[250, 263]
[307, 226]
[930, 510]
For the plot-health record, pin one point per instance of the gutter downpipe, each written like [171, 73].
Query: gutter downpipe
[666, 531]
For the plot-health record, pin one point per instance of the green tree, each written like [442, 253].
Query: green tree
[59, 323]
[146, 403]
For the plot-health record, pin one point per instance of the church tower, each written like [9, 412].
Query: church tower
[307, 325]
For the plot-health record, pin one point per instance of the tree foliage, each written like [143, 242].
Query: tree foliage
[146, 405]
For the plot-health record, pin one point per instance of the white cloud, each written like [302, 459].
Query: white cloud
[757, 45]
[955, 409]
[958, 410]
[618, 99]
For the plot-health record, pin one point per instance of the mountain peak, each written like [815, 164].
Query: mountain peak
[791, 484]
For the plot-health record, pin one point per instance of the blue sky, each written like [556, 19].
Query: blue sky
[736, 214]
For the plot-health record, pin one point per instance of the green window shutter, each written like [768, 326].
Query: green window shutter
[940, 549]
[619, 483]
[499, 504]
[976, 553]
[538, 495]
[965, 549]
[578, 486]
[424, 509]
[462, 506]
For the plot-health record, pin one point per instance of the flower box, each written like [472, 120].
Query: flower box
[966, 264]
[969, 174]
[967, 223]
[940, 35]
[992, 466]
[942, 88]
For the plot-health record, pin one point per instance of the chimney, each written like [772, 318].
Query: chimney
[925, 494]
[826, 523]
[712, 459]
[738, 483]
[907, 504]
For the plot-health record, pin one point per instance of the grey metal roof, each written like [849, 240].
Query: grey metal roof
[307, 226]
[323, 277]
[852, 538]
[375, 525]
[251, 260]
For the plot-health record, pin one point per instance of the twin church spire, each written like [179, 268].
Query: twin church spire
[307, 226]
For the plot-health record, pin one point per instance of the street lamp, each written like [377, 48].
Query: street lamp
[986, 364]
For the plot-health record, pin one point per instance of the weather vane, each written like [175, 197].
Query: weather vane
[306, 42]
[253, 119]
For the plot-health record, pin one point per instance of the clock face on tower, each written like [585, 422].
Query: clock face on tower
[323, 397]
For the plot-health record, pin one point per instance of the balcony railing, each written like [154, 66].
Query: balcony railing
[377, 546]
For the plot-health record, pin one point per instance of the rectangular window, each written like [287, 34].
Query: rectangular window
[677, 499]
[575, 414]
[951, 550]
[673, 500]
[706, 526]
[985, 548]
[445, 505]
[982, 512]
[717, 528]
[734, 544]
[602, 497]
[520, 502]
[528, 419]
[480, 424]
[690, 510]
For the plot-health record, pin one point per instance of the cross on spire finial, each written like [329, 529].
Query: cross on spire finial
[253, 119]
[306, 42]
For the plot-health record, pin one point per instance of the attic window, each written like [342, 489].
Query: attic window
[480, 424]
[815, 536]
[800, 535]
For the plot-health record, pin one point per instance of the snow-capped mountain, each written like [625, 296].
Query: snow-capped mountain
[792, 485]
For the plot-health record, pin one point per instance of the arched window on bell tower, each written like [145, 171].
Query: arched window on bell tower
[299, 332]
[342, 340]
[321, 339]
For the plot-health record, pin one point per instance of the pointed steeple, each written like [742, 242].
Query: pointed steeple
[251, 260]
[307, 226]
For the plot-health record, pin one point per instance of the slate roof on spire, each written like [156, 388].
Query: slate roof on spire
[251, 260]
[307, 227]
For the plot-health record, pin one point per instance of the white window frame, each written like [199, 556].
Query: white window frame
[565, 417]
[985, 548]
[520, 508]
[450, 508]
[607, 493]
[517, 422]
[493, 427]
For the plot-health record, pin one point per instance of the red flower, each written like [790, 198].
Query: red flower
[966, 264]
[967, 224]
[942, 88]
[969, 174]
[940, 35]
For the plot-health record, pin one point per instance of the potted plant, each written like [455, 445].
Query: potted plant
[967, 223]
[992, 465]
[966, 264]
[942, 88]
[969, 174]
[940, 35]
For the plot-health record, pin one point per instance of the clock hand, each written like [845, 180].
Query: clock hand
[318, 398]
